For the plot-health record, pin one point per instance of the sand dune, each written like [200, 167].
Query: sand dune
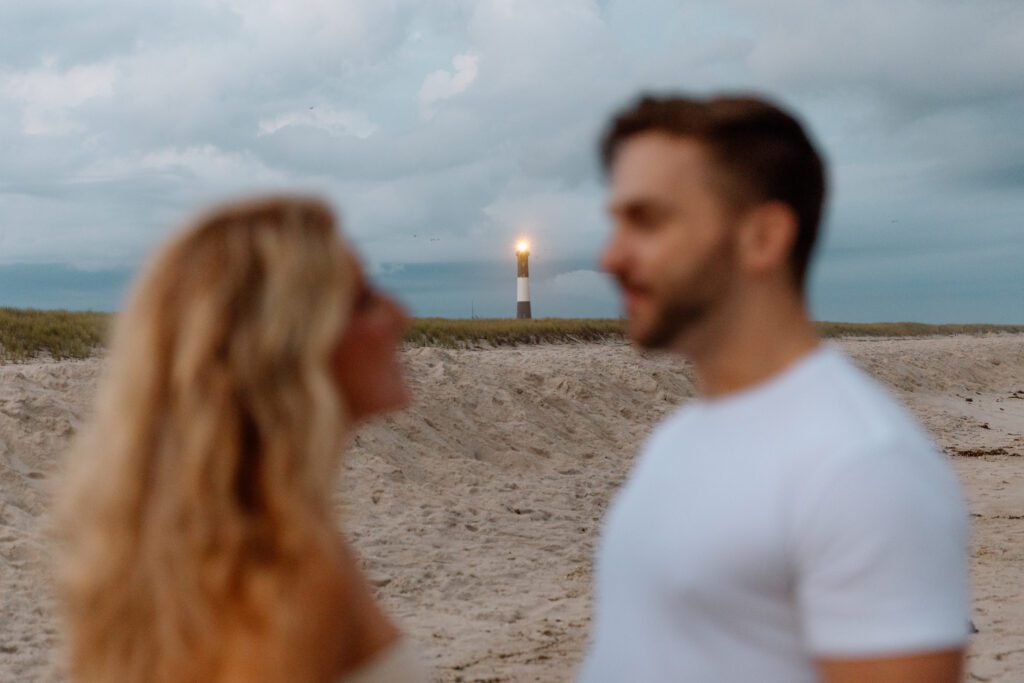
[476, 510]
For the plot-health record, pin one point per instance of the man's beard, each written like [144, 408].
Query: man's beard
[672, 321]
[693, 301]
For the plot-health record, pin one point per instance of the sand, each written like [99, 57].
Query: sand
[476, 510]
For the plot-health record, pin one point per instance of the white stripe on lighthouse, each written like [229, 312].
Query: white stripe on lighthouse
[522, 289]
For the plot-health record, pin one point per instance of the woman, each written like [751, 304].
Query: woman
[200, 540]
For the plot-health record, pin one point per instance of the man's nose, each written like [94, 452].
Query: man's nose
[612, 255]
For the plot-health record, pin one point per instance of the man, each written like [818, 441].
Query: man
[793, 523]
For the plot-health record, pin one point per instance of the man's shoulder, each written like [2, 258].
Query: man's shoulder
[842, 401]
[671, 426]
[863, 435]
[831, 409]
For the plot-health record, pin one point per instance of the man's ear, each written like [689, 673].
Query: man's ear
[766, 237]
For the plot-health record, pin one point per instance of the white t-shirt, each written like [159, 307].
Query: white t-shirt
[806, 517]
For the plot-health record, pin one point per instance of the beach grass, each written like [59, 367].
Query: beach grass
[832, 330]
[451, 333]
[455, 333]
[27, 334]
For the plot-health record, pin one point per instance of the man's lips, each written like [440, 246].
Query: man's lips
[633, 297]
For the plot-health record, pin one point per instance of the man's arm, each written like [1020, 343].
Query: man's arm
[933, 667]
[883, 567]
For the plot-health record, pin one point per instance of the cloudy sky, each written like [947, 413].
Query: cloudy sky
[443, 130]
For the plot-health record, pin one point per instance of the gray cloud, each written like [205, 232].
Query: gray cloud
[930, 51]
[445, 130]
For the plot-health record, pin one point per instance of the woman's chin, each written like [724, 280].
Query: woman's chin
[403, 399]
[393, 401]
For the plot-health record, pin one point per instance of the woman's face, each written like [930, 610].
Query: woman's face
[366, 362]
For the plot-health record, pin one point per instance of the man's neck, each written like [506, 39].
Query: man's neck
[751, 344]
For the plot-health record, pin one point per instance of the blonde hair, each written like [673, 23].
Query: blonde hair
[206, 473]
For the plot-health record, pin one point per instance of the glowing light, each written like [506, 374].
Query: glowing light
[522, 247]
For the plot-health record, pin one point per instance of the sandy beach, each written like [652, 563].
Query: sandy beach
[476, 510]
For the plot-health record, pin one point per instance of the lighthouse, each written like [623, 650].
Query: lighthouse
[523, 280]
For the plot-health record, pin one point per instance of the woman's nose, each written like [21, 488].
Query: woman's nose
[400, 315]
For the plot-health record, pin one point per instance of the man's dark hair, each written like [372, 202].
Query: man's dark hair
[759, 153]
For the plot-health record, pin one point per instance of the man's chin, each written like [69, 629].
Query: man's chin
[666, 332]
[647, 336]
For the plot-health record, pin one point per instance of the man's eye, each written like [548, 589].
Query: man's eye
[646, 217]
[648, 220]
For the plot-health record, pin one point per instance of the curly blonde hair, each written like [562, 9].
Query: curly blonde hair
[207, 470]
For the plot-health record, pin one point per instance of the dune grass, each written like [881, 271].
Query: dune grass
[27, 334]
[452, 333]
[834, 330]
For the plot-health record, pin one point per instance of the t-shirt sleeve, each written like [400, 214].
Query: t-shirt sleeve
[881, 548]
